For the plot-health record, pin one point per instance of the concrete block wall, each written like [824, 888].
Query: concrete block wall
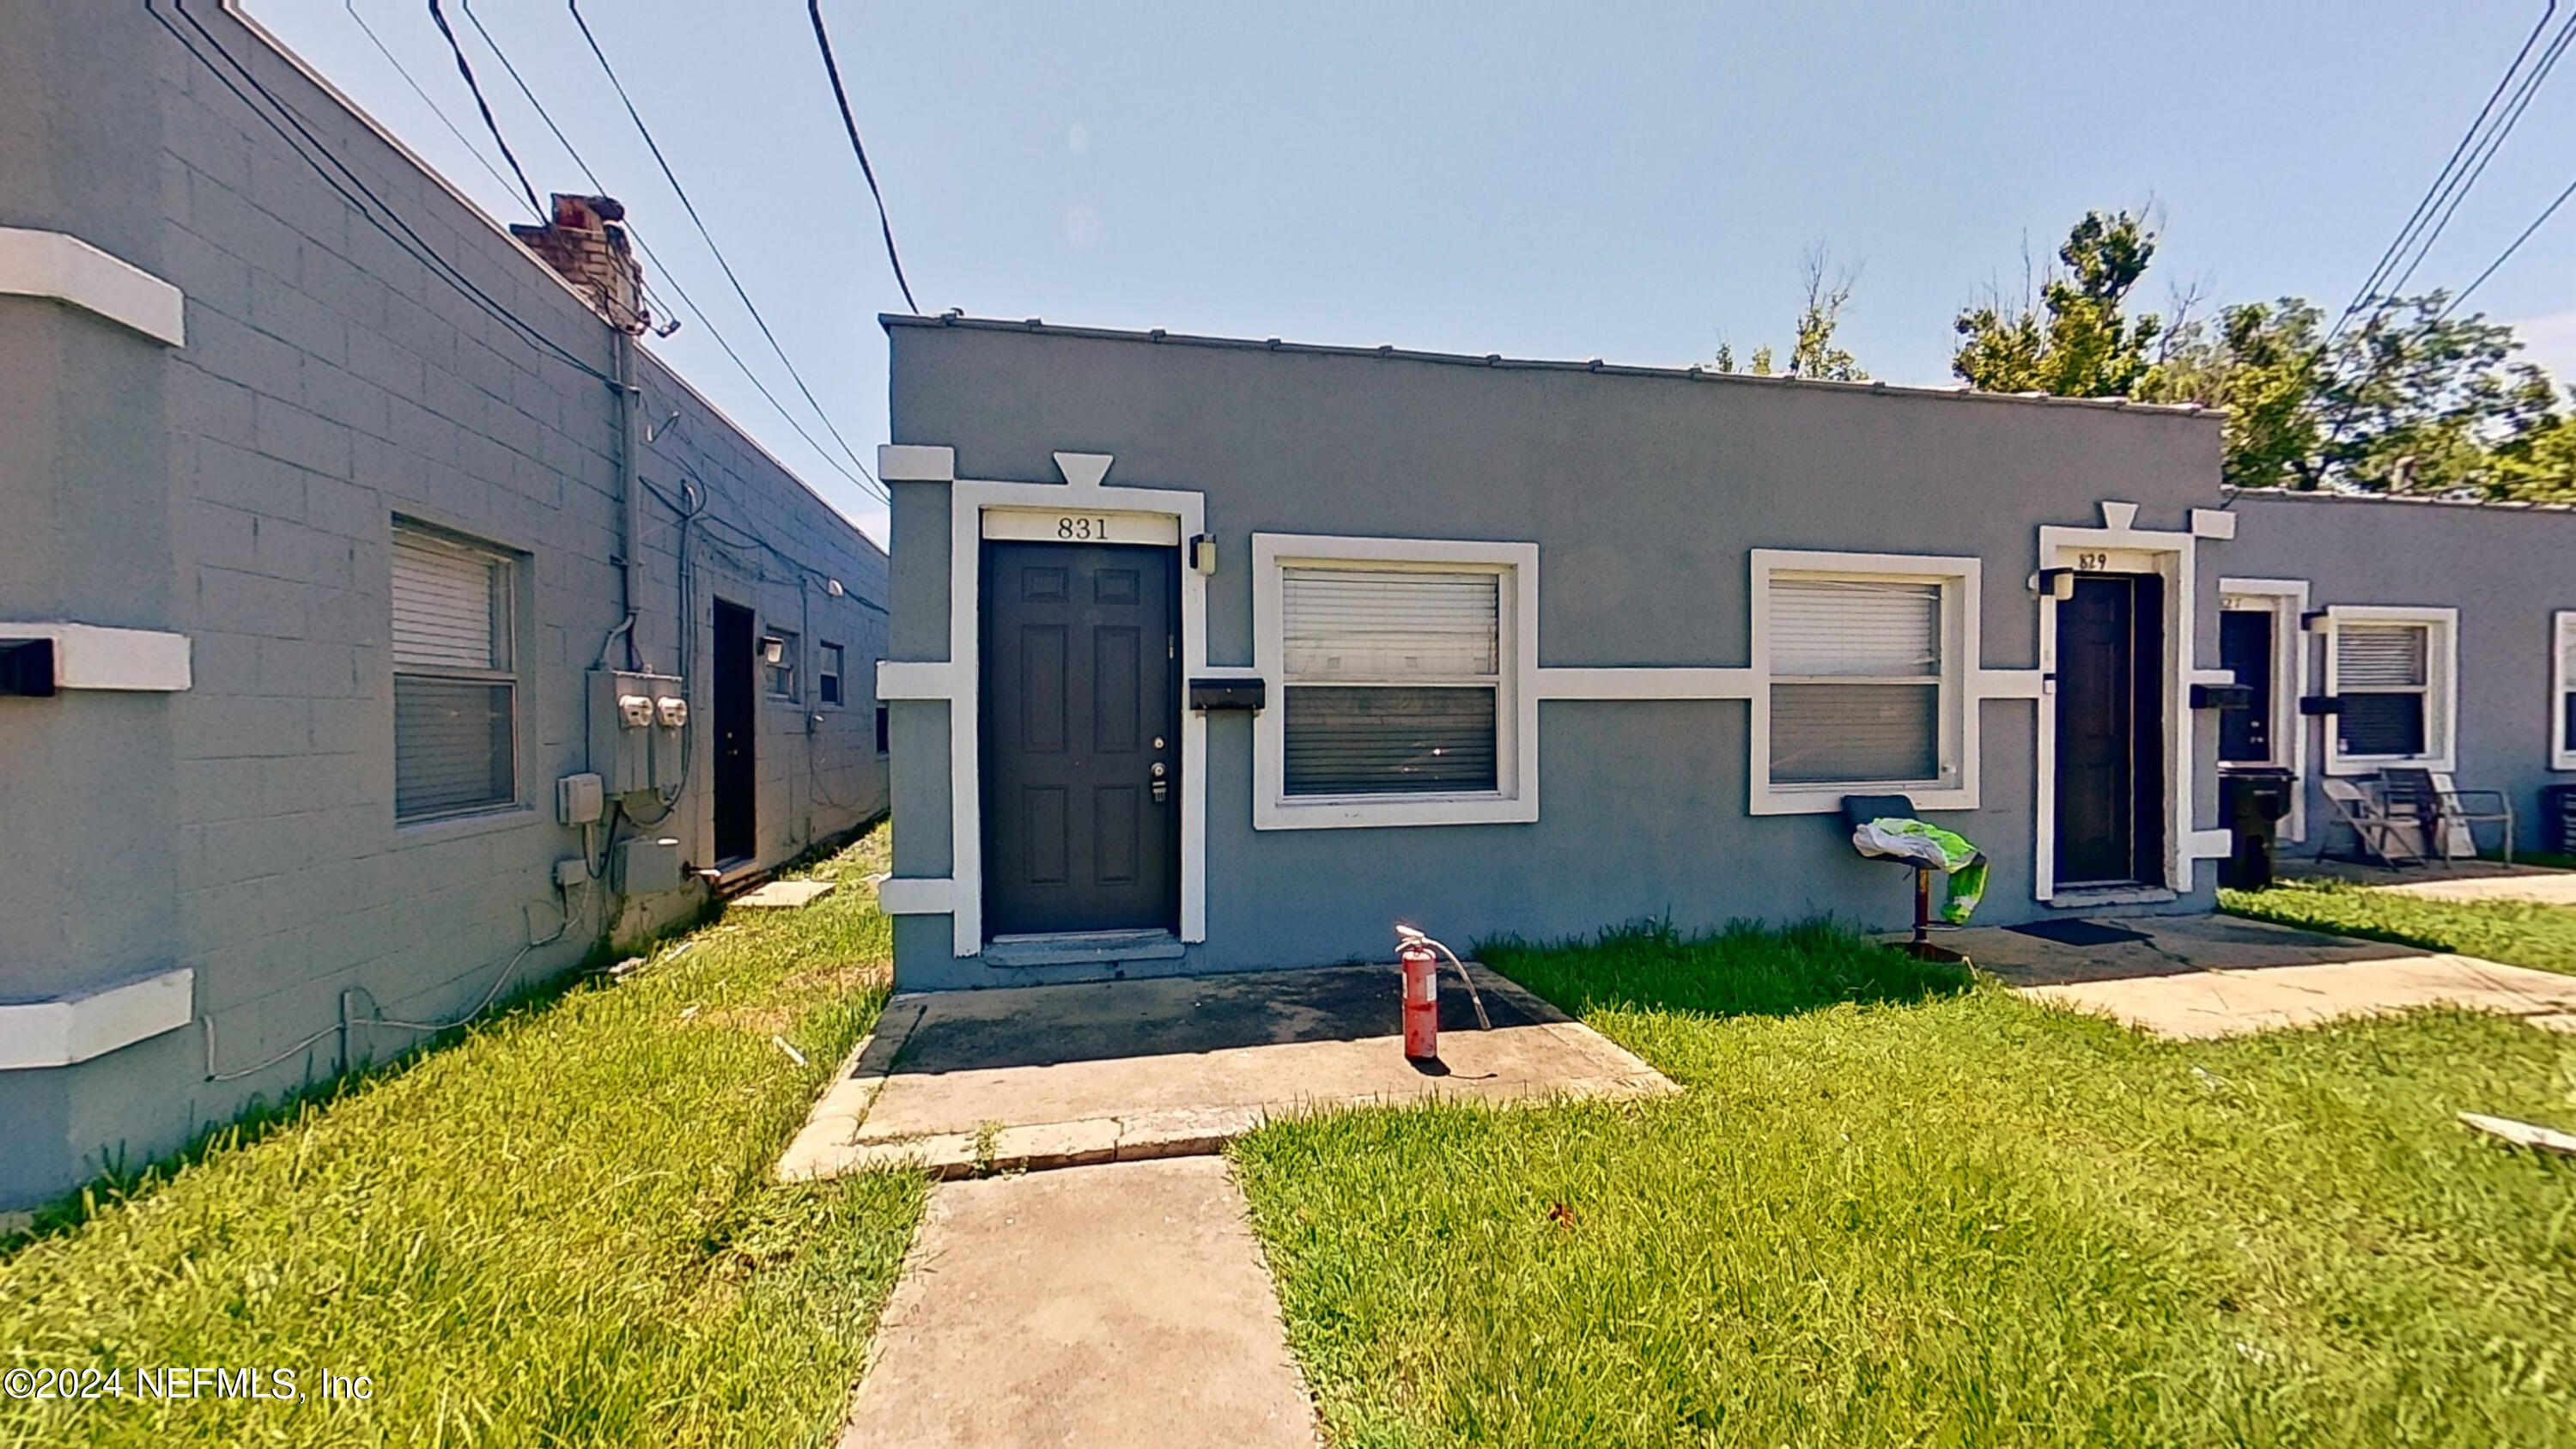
[242, 489]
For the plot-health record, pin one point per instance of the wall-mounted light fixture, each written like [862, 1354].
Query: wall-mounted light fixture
[772, 648]
[1202, 554]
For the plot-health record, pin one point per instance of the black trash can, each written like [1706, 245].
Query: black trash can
[2252, 802]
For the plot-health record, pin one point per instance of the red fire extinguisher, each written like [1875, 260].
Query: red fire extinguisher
[1414, 951]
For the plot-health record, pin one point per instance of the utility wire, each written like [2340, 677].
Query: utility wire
[2450, 185]
[2507, 255]
[864, 481]
[850, 123]
[374, 210]
[2520, 103]
[700, 223]
[435, 109]
[439, 17]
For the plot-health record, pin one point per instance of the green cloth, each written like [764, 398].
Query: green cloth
[1960, 862]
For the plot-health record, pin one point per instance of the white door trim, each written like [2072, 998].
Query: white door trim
[2125, 548]
[2287, 599]
[958, 680]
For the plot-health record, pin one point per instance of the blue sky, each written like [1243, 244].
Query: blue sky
[1636, 182]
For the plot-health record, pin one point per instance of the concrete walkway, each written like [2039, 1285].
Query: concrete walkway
[966, 1082]
[2190, 978]
[1111, 1306]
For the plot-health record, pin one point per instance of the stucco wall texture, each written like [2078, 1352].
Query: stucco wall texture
[241, 490]
[1645, 495]
[2508, 571]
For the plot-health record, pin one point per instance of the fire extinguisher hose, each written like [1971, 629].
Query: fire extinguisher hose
[1483, 1022]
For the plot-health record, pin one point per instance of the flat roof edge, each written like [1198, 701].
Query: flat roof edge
[1695, 373]
[2319, 495]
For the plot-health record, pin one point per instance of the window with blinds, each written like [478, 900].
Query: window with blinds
[2383, 672]
[1393, 681]
[455, 696]
[2563, 751]
[1856, 680]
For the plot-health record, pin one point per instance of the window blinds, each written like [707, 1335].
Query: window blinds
[1394, 681]
[1856, 665]
[1864, 628]
[454, 706]
[2381, 656]
[1353, 626]
[444, 606]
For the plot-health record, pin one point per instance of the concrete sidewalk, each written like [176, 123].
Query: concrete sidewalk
[1109, 1306]
[966, 1082]
[2190, 978]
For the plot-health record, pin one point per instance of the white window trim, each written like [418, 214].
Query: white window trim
[1515, 798]
[840, 677]
[2562, 637]
[2287, 602]
[511, 627]
[1960, 580]
[2441, 693]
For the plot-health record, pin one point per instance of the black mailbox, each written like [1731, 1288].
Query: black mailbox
[2222, 696]
[1225, 694]
[27, 666]
[2320, 704]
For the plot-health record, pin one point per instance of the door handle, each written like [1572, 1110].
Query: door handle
[1162, 786]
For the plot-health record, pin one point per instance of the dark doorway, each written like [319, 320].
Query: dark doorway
[736, 774]
[2245, 646]
[1081, 735]
[2110, 731]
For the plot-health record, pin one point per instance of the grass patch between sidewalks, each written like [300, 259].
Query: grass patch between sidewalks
[1891, 1208]
[558, 1230]
[2517, 933]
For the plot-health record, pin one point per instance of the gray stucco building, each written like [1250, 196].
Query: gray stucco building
[1213, 654]
[325, 507]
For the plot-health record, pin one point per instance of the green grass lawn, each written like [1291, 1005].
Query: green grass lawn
[558, 1230]
[1894, 1207]
[2518, 933]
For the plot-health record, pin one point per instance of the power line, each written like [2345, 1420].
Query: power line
[864, 481]
[439, 17]
[850, 123]
[2536, 223]
[390, 222]
[2467, 162]
[700, 223]
[434, 108]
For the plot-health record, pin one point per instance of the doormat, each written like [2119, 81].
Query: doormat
[2079, 933]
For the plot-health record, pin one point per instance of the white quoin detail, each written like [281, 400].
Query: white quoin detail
[2119, 517]
[1083, 470]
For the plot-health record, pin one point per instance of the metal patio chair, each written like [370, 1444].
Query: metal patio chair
[2452, 814]
[2394, 840]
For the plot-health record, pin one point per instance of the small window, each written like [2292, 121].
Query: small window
[1861, 679]
[1393, 681]
[2393, 673]
[883, 733]
[827, 673]
[455, 693]
[1399, 675]
[778, 664]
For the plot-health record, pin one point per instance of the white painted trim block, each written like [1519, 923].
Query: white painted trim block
[917, 895]
[916, 679]
[2209, 845]
[72, 1029]
[911, 463]
[2212, 523]
[63, 268]
[2011, 683]
[2213, 676]
[94, 656]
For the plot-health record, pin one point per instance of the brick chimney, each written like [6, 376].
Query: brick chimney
[586, 243]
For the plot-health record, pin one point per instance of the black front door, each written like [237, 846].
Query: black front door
[736, 702]
[1081, 736]
[2245, 646]
[2110, 731]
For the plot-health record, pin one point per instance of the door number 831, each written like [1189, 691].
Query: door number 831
[1079, 527]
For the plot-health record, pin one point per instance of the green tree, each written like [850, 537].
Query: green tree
[2413, 400]
[1814, 353]
[2261, 362]
[2076, 341]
